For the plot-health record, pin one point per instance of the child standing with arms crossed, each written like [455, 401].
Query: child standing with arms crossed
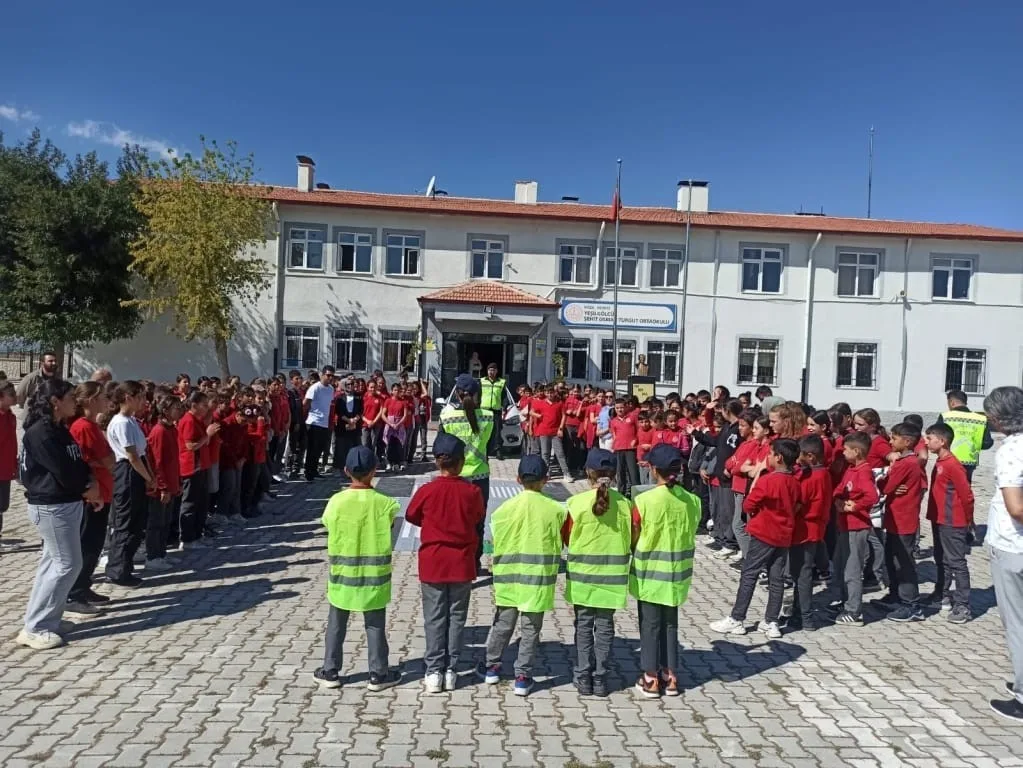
[527, 551]
[358, 522]
[664, 539]
[818, 497]
[163, 451]
[448, 509]
[598, 534]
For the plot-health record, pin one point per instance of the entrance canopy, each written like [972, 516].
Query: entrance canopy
[488, 301]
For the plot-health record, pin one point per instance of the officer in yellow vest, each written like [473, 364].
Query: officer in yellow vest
[971, 431]
[598, 534]
[473, 426]
[492, 399]
[358, 522]
[527, 551]
[662, 567]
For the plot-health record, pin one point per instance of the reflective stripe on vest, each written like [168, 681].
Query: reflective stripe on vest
[662, 564]
[358, 523]
[491, 394]
[454, 422]
[597, 571]
[968, 435]
[527, 551]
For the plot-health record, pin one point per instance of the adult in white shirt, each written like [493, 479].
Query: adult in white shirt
[317, 402]
[1004, 409]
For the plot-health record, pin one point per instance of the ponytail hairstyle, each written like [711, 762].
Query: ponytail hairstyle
[195, 397]
[164, 405]
[85, 393]
[40, 406]
[601, 478]
[469, 405]
[671, 478]
[823, 420]
[872, 419]
[125, 390]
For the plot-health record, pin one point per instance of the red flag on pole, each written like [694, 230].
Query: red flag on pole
[616, 205]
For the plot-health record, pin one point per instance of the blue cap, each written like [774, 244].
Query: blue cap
[598, 459]
[361, 460]
[532, 467]
[448, 445]
[666, 459]
[467, 384]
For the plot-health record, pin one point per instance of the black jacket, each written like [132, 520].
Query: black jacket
[725, 443]
[52, 469]
[342, 412]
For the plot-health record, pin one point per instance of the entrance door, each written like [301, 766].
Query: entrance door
[511, 353]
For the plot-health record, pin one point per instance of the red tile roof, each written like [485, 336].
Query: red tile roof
[657, 216]
[487, 292]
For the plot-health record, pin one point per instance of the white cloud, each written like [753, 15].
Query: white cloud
[15, 115]
[108, 133]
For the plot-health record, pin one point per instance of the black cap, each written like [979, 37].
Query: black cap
[467, 384]
[448, 445]
[598, 459]
[532, 467]
[361, 460]
[666, 459]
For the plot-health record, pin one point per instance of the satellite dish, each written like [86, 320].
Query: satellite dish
[431, 187]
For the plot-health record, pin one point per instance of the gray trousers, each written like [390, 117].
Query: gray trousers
[594, 633]
[445, 609]
[555, 444]
[1007, 575]
[229, 502]
[724, 512]
[851, 553]
[500, 635]
[376, 639]
[60, 527]
[739, 524]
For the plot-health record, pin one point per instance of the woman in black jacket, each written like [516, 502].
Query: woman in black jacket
[56, 481]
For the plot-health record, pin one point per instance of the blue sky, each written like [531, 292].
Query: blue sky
[770, 102]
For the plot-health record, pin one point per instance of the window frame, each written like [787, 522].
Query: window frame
[334, 330]
[421, 262]
[632, 365]
[951, 268]
[777, 340]
[878, 270]
[490, 239]
[335, 238]
[606, 259]
[783, 250]
[383, 347]
[585, 340]
[983, 371]
[594, 257]
[286, 361]
[307, 227]
[877, 365]
[663, 355]
[666, 247]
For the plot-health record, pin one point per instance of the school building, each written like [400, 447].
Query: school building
[882, 313]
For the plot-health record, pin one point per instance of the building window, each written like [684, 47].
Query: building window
[662, 357]
[665, 267]
[355, 252]
[964, 369]
[758, 362]
[857, 273]
[397, 347]
[575, 357]
[761, 270]
[403, 255]
[351, 348]
[575, 263]
[857, 366]
[306, 248]
[629, 267]
[626, 356]
[301, 346]
[488, 259]
[950, 278]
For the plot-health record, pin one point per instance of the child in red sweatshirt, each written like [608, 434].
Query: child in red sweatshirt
[771, 507]
[950, 510]
[647, 439]
[8, 445]
[808, 533]
[858, 495]
[448, 509]
[903, 485]
[162, 443]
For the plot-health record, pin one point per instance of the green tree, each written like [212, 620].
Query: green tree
[197, 253]
[65, 227]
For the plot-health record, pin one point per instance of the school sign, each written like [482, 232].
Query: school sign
[631, 316]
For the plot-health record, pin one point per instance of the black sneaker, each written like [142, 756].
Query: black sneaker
[131, 582]
[715, 546]
[95, 597]
[80, 608]
[1010, 687]
[889, 602]
[822, 578]
[1010, 710]
[736, 564]
[836, 607]
[848, 618]
[907, 612]
[584, 686]
[383, 682]
[327, 678]
[960, 614]
[600, 687]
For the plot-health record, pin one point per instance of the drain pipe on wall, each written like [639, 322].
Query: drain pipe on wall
[714, 306]
[811, 277]
[905, 318]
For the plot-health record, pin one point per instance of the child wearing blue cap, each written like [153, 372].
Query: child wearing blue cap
[598, 534]
[664, 540]
[448, 509]
[358, 522]
[527, 551]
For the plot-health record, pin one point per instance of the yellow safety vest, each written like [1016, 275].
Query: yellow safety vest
[492, 394]
[358, 523]
[599, 552]
[969, 434]
[662, 563]
[527, 551]
[453, 421]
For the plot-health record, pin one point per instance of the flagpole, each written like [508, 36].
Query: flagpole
[617, 279]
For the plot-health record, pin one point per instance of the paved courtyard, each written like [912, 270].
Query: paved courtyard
[209, 665]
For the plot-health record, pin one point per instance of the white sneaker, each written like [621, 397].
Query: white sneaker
[450, 680]
[39, 641]
[434, 682]
[736, 555]
[710, 525]
[158, 565]
[728, 626]
[770, 629]
[102, 564]
[726, 554]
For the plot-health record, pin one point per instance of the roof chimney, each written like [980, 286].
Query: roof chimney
[525, 192]
[693, 196]
[306, 169]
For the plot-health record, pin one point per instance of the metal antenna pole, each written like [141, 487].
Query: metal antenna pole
[685, 289]
[617, 277]
[870, 168]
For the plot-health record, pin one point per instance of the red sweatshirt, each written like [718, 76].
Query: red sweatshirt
[163, 456]
[818, 498]
[877, 456]
[902, 513]
[857, 486]
[772, 507]
[745, 452]
[646, 437]
[448, 509]
[234, 445]
[951, 500]
[257, 432]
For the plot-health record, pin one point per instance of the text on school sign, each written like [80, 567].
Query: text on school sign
[635, 317]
